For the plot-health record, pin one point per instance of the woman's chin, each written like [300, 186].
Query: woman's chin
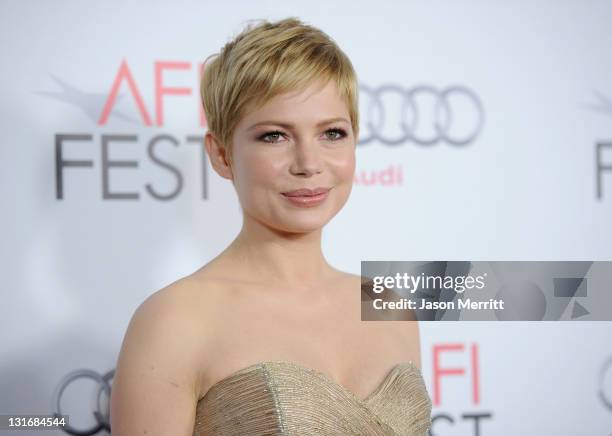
[302, 225]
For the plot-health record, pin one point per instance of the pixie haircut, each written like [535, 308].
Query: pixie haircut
[267, 59]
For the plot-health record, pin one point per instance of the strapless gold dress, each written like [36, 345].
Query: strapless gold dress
[285, 398]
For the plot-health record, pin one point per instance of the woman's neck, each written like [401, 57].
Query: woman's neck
[266, 254]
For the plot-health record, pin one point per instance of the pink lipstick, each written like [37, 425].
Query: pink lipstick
[305, 197]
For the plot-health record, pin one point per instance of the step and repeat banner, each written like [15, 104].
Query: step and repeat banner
[486, 135]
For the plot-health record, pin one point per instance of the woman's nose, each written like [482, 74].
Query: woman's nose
[306, 160]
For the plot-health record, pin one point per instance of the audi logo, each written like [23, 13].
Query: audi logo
[415, 117]
[100, 414]
[605, 387]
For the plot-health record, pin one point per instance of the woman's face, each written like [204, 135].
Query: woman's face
[295, 141]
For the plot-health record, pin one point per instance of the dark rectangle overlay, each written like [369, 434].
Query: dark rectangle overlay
[486, 290]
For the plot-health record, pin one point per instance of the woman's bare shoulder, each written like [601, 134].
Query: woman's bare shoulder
[180, 294]
[161, 360]
[190, 305]
[407, 327]
[186, 312]
[182, 309]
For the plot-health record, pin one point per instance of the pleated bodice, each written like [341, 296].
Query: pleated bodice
[285, 398]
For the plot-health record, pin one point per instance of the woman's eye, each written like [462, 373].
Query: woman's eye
[274, 135]
[340, 132]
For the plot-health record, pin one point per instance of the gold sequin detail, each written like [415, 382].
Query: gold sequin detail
[285, 398]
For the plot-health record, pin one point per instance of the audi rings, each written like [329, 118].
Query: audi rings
[441, 118]
[605, 374]
[102, 417]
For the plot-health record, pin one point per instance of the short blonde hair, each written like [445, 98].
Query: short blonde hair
[266, 60]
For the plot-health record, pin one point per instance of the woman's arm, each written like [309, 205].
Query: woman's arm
[155, 388]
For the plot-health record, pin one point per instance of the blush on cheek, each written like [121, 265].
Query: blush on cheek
[256, 167]
[346, 167]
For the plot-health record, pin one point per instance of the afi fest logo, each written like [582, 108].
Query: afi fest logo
[154, 146]
[425, 116]
[465, 378]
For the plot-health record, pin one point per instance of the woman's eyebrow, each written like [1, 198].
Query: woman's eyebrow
[289, 125]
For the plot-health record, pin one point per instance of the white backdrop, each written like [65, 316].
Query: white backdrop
[524, 188]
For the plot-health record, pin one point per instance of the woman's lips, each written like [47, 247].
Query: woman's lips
[306, 197]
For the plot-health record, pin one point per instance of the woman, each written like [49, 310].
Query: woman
[267, 338]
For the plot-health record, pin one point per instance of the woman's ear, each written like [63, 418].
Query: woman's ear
[218, 156]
